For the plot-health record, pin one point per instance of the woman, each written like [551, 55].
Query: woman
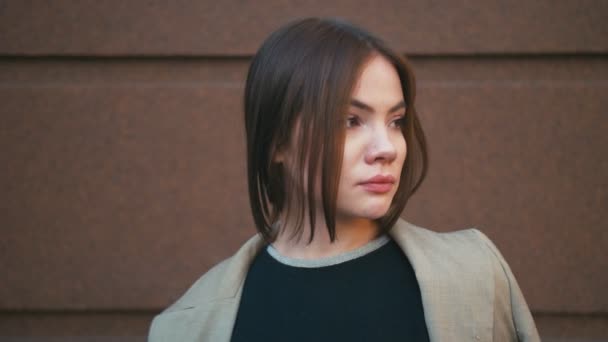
[334, 151]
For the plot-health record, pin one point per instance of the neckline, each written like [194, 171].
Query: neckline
[332, 260]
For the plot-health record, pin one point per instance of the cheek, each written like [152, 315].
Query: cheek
[401, 155]
[353, 153]
[401, 148]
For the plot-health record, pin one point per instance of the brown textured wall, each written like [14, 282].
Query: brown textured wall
[121, 147]
[233, 27]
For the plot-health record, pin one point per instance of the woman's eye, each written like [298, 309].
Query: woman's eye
[352, 121]
[399, 122]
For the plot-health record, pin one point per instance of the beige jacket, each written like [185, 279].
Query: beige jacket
[468, 291]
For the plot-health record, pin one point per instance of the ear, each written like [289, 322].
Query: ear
[278, 155]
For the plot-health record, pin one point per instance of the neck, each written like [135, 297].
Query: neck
[350, 234]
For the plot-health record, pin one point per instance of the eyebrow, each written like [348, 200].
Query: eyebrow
[368, 108]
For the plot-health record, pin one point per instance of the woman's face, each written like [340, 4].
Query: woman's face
[374, 146]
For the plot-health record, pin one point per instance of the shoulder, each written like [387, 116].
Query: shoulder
[222, 281]
[459, 245]
[469, 250]
[464, 259]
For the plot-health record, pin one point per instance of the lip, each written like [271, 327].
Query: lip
[379, 184]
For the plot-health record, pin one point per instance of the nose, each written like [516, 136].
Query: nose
[381, 148]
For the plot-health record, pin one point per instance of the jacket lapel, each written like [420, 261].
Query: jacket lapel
[452, 276]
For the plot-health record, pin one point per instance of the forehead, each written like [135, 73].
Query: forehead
[379, 84]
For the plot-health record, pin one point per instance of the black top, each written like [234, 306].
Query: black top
[370, 297]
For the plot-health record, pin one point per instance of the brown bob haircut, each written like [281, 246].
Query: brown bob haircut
[305, 73]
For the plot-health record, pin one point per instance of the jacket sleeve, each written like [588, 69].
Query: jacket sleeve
[525, 328]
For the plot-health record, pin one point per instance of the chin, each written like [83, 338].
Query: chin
[374, 211]
[367, 207]
[377, 215]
